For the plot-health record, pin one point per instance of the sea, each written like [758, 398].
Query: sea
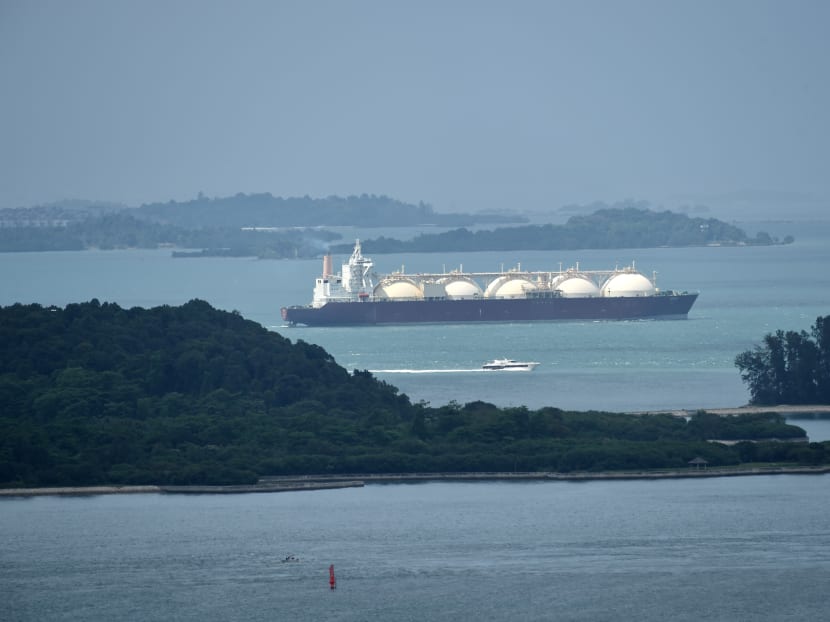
[720, 549]
[743, 548]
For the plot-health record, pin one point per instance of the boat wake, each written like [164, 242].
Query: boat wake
[423, 371]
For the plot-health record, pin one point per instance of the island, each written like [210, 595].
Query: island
[260, 225]
[94, 394]
[241, 225]
[613, 227]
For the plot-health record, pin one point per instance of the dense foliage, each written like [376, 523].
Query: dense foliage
[94, 393]
[789, 367]
[625, 227]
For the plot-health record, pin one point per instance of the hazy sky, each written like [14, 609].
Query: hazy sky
[464, 105]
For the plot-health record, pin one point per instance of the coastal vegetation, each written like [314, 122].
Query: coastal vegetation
[94, 394]
[617, 227]
[789, 367]
[260, 225]
[242, 225]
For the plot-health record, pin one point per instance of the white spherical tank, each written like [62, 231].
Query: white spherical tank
[577, 287]
[628, 284]
[461, 288]
[509, 287]
[400, 289]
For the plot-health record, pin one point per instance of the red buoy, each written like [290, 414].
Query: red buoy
[332, 580]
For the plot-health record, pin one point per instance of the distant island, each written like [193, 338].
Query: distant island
[242, 225]
[94, 394]
[618, 227]
[260, 225]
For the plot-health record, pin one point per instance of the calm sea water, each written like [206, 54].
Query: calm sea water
[752, 548]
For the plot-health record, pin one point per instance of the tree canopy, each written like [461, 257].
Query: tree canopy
[789, 367]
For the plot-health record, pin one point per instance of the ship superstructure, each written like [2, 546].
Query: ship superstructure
[352, 284]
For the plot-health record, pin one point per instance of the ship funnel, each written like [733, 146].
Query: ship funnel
[327, 265]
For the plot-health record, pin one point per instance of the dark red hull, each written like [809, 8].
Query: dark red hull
[664, 306]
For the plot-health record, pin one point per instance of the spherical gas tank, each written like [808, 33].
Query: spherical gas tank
[577, 287]
[460, 288]
[628, 284]
[509, 287]
[398, 289]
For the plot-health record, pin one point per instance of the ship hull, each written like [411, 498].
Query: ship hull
[667, 306]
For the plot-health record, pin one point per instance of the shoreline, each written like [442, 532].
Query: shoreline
[332, 482]
[289, 485]
[793, 411]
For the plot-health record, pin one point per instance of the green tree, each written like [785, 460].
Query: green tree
[790, 367]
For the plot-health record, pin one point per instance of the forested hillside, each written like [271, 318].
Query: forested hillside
[97, 394]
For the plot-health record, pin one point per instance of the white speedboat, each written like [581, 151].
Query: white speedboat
[509, 365]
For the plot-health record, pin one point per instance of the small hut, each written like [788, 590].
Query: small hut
[697, 463]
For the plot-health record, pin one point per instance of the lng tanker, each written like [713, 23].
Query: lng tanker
[357, 296]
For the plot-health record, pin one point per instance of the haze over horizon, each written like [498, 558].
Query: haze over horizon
[467, 106]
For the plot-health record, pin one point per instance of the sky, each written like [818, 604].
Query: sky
[468, 105]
